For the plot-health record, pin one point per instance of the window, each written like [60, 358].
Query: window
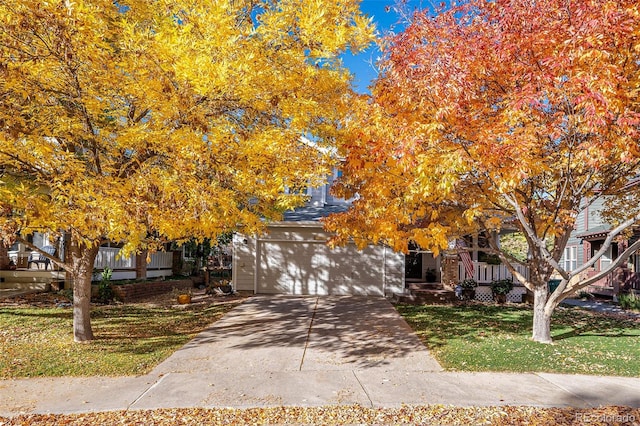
[570, 258]
[605, 260]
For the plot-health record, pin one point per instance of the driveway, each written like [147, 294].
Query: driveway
[285, 350]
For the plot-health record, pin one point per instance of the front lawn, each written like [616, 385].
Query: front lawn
[497, 338]
[131, 339]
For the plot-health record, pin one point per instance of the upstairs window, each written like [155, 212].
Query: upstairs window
[570, 258]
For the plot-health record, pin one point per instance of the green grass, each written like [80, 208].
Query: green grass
[496, 338]
[130, 339]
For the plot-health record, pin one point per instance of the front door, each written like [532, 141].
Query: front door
[413, 265]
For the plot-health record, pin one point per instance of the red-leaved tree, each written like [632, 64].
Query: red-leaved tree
[500, 111]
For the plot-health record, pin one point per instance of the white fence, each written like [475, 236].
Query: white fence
[485, 273]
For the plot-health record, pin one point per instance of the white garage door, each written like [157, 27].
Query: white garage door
[312, 268]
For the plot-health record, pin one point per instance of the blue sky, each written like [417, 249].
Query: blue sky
[385, 15]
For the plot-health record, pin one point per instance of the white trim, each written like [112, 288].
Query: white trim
[570, 257]
[256, 265]
[284, 240]
[384, 270]
[234, 260]
[295, 224]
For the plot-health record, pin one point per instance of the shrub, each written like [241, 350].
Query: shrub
[582, 294]
[501, 286]
[67, 293]
[629, 301]
[469, 283]
[105, 291]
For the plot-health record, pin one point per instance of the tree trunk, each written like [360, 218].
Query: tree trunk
[541, 315]
[83, 258]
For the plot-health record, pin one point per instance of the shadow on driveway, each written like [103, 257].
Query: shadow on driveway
[306, 334]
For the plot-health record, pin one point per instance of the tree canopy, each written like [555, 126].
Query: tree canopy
[144, 121]
[499, 113]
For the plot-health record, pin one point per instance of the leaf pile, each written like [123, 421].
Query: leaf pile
[331, 415]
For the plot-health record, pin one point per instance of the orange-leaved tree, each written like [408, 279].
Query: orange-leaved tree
[143, 121]
[501, 113]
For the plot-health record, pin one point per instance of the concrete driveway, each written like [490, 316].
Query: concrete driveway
[290, 350]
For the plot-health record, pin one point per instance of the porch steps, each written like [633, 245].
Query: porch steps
[30, 276]
[10, 289]
[425, 293]
[425, 286]
[24, 281]
[599, 290]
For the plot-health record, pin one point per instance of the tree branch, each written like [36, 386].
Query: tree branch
[619, 260]
[607, 242]
[539, 244]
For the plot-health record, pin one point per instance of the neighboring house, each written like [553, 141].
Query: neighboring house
[20, 266]
[587, 238]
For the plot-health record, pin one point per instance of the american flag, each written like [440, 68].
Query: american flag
[465, 257]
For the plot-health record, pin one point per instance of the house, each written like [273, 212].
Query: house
[587, 238]
[21, 268]
[292, 258]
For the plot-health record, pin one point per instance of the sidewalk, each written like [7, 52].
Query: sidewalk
[309, 352]
[602, 307]
[372, 388]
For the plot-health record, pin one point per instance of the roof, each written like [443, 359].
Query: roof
[313, 213]
[596, 233]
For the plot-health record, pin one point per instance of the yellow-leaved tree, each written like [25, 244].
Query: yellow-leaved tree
[501, 113]
[145, 121]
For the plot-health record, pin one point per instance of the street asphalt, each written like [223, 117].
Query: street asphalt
[309, 351]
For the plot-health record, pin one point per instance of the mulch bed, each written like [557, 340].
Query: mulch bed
[36, 300]
[49, 300]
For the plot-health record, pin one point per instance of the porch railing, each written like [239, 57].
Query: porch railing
[620, 279]
[161, 260]
[484, 273]
[108, 257]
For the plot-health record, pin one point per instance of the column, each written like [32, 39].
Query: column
[450, 269]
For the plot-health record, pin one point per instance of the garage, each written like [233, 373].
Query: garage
[292, 258]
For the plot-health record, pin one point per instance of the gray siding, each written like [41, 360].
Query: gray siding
[580, 255]
[595, 219]
[316, 196]
[586, 221]
[579, 228]
[330, 199]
